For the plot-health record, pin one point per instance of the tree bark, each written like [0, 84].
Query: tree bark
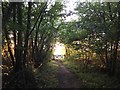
[19, 61]
[27, 32]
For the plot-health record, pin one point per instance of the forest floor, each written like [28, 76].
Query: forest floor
[70, 74]
[56, 75]
[66, 78]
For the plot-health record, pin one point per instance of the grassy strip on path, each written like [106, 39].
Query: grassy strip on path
[90, 77]
[46, 78]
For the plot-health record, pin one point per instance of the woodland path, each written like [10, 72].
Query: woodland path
[66, 78]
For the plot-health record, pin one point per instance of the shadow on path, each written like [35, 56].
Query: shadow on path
[65, 77]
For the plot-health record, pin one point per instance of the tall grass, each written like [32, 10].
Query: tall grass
[46, 78]
[90, 77]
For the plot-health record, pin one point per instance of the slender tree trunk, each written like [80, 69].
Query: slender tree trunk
[8, 45]
[27, 33]
[14, 29]
[19, 45]
[6, 16]
[106, 52]
[114, 57]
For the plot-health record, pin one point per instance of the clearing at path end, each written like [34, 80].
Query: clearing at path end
[66, 78]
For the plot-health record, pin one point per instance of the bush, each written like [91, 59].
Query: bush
[90, 77]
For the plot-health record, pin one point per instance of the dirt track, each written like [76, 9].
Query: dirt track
[65, 77]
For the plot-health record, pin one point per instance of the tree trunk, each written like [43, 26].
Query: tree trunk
[27, 33]
[19, 46]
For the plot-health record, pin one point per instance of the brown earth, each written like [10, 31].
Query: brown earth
[66, 78]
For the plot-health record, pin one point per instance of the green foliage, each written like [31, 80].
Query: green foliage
[46, 77]
[96, 31]
[90, 77]
[33, 27]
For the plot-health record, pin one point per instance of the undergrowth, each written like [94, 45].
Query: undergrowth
[46, 77]
[90, 77]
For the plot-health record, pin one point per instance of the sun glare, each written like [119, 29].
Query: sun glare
[59, 49]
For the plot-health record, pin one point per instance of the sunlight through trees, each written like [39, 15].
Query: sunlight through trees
[36, 33]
